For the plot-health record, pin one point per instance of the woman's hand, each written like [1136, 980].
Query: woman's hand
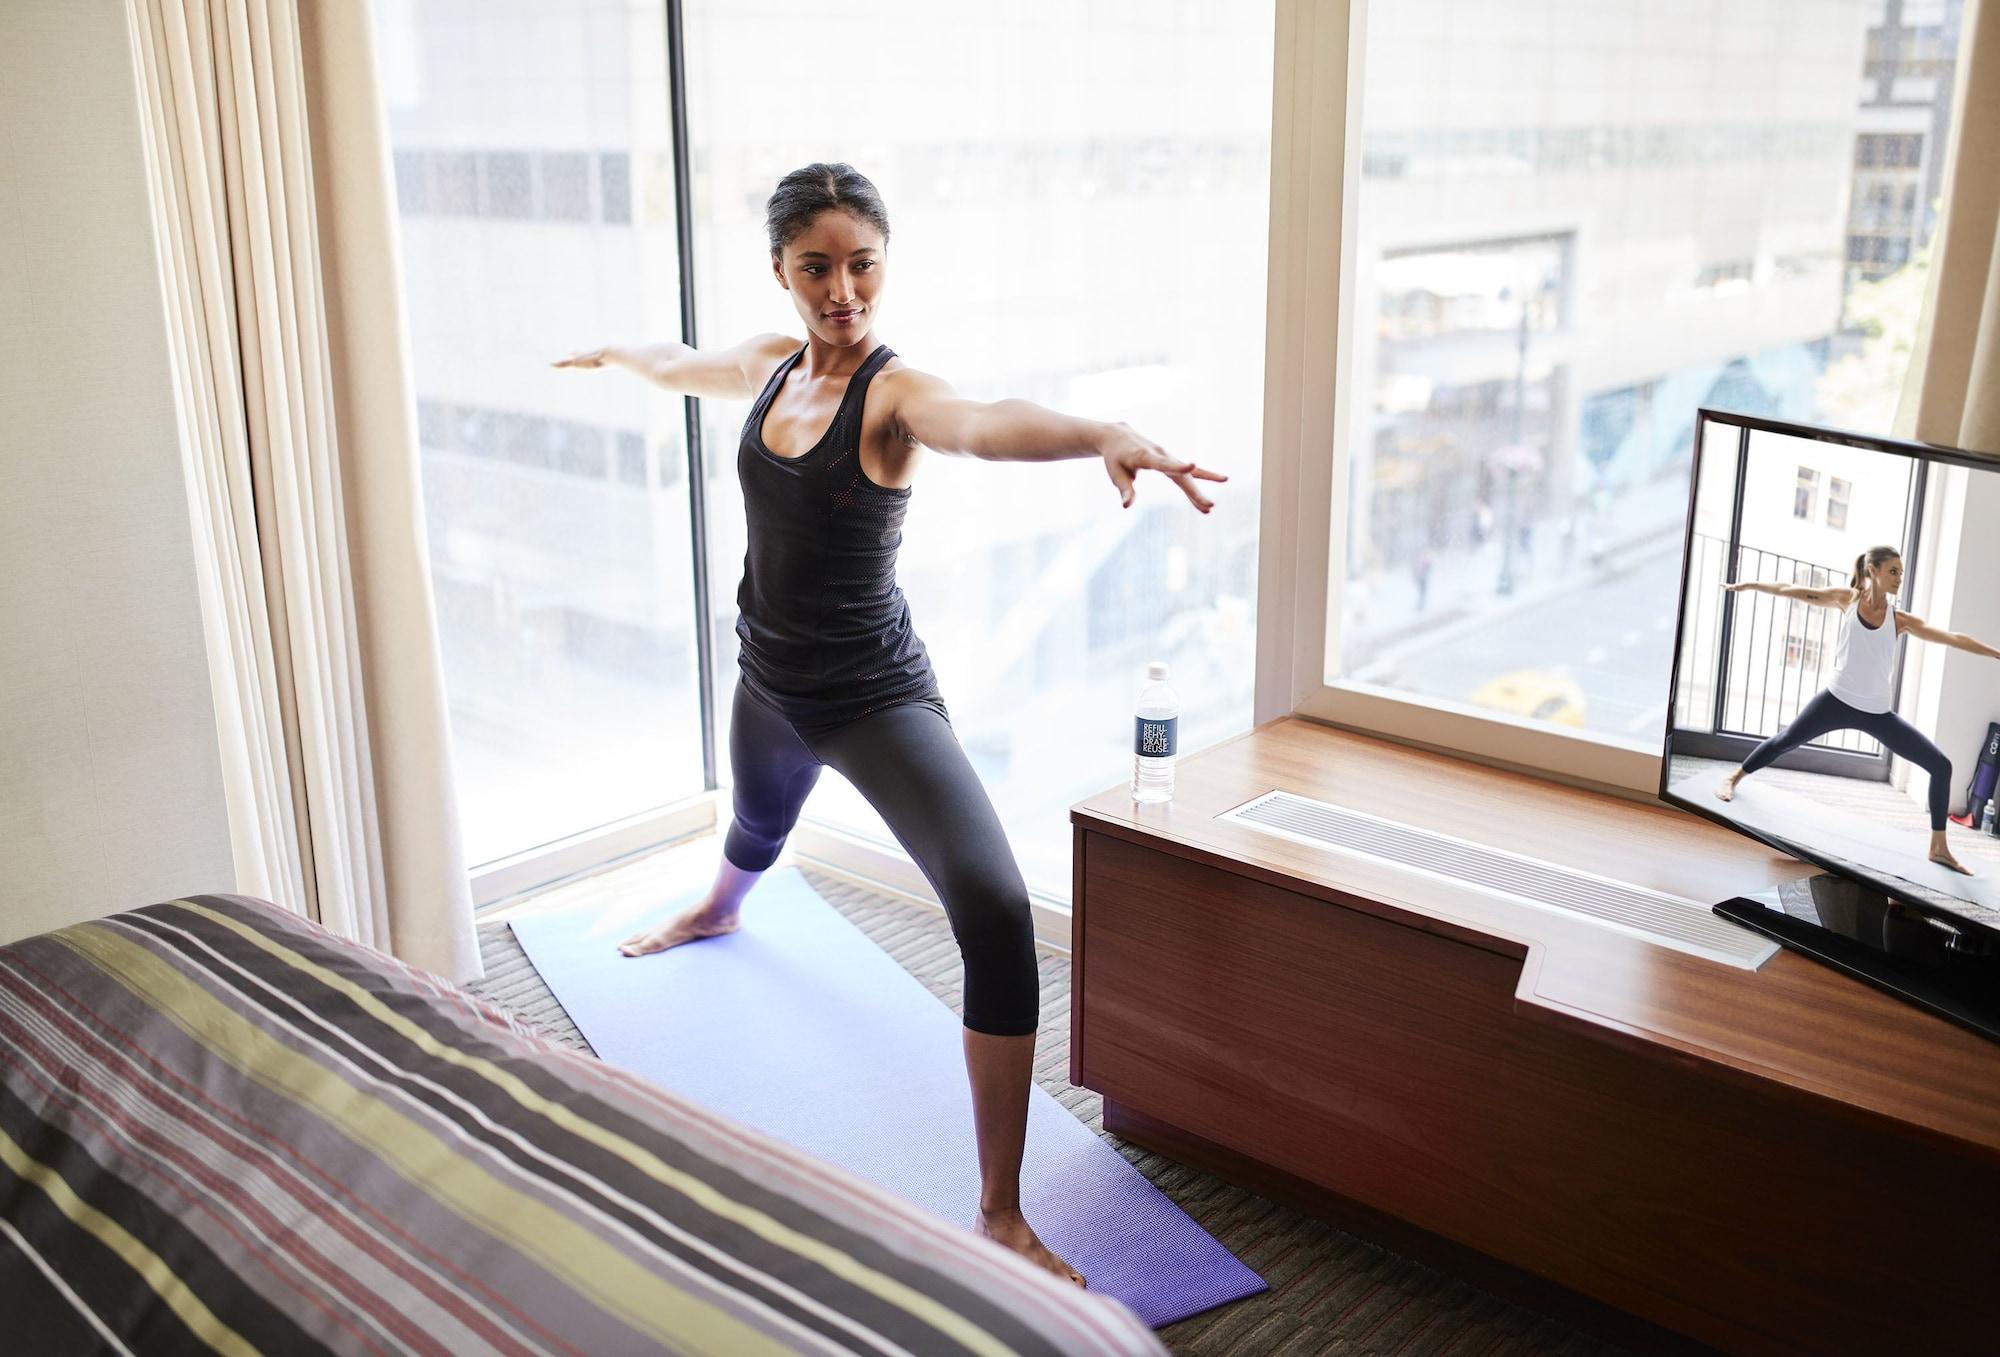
[1126, 454]
[589, 358]
[1738, 587]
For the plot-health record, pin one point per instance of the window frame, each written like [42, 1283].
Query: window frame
[1315, 182]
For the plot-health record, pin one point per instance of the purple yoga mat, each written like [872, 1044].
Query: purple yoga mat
[800, 1026]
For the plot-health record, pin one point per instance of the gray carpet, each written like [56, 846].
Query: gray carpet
[1330, 1291]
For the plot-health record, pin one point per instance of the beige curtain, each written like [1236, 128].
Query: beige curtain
[277, 239]
[1952, 394]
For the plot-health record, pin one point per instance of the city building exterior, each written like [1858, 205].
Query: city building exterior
[1900, 135]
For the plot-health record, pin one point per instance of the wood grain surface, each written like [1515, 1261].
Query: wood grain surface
[1781, 1160]
[1794, 1020]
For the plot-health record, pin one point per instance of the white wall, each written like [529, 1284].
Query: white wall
[1877, 505]
[1958, 693]
[110, 783]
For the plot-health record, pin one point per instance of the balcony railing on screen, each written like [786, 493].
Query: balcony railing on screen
[1780, 650]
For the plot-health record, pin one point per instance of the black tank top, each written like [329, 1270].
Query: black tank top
[824, 630]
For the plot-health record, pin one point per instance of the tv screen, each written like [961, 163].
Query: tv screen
[1835, 690]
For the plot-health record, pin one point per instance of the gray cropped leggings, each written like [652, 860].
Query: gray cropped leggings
[1827, 712]
[907, 762]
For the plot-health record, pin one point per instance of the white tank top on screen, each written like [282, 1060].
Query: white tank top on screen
[1864, 661]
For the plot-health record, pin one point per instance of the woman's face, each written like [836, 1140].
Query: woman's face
[1888, 576]
[834, 271]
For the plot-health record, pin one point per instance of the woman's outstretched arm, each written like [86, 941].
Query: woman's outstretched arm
[1958, 640]
[1837, 596]
[735, 373]
[927, 411]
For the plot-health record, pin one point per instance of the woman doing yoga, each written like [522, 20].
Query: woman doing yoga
[1862, 693]
[832, 675]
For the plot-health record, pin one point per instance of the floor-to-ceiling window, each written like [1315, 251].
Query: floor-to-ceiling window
[1079, 205]
[1077, 197]
[530, 143]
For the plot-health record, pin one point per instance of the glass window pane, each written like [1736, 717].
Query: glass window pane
[1559, 258]
[1078, 219]
[1780, 651]
[564, 591]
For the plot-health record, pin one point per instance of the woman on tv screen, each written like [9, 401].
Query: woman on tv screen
[1861, 695]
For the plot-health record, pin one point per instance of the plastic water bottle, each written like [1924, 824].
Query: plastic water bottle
[1155, 737]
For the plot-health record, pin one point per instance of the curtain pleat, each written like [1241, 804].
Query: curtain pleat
[1952, 393]
[398, 662]
[309, 668]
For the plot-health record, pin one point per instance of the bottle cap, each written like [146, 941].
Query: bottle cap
[1157, 670]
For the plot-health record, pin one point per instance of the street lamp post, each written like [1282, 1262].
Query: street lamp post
[1505, 584]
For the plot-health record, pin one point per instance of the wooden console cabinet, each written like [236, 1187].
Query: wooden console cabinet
[1773, 1161]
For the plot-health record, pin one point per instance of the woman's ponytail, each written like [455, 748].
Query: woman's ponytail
[1868, 560]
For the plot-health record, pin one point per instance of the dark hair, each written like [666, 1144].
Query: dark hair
[803, 194]
[1871, 558]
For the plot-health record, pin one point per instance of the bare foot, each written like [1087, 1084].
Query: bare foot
[700, 922]
[1011, 1228]
[1726, 789]
[1943, 858]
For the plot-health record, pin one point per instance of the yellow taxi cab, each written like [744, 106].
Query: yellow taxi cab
[1537, 693]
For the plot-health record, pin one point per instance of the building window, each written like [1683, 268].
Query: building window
[505, 185]
[565, 186]
[614, 175]
[579, 449]
[1718, 275]
[1836, 503]
[476, 432]
[455, 180]
[632, 459]
[524, 440]
[1805, 499]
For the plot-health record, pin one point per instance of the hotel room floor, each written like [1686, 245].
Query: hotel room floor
[1330, 1291]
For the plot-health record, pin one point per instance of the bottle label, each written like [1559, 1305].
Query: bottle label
[1155, 739]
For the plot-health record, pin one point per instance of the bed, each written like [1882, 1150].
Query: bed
[223, 1129]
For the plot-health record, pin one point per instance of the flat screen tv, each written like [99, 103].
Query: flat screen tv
[1836, 694]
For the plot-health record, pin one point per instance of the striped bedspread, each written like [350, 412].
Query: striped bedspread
[221, 1129]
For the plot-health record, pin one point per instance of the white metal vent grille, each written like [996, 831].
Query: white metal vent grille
[1687, 925]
